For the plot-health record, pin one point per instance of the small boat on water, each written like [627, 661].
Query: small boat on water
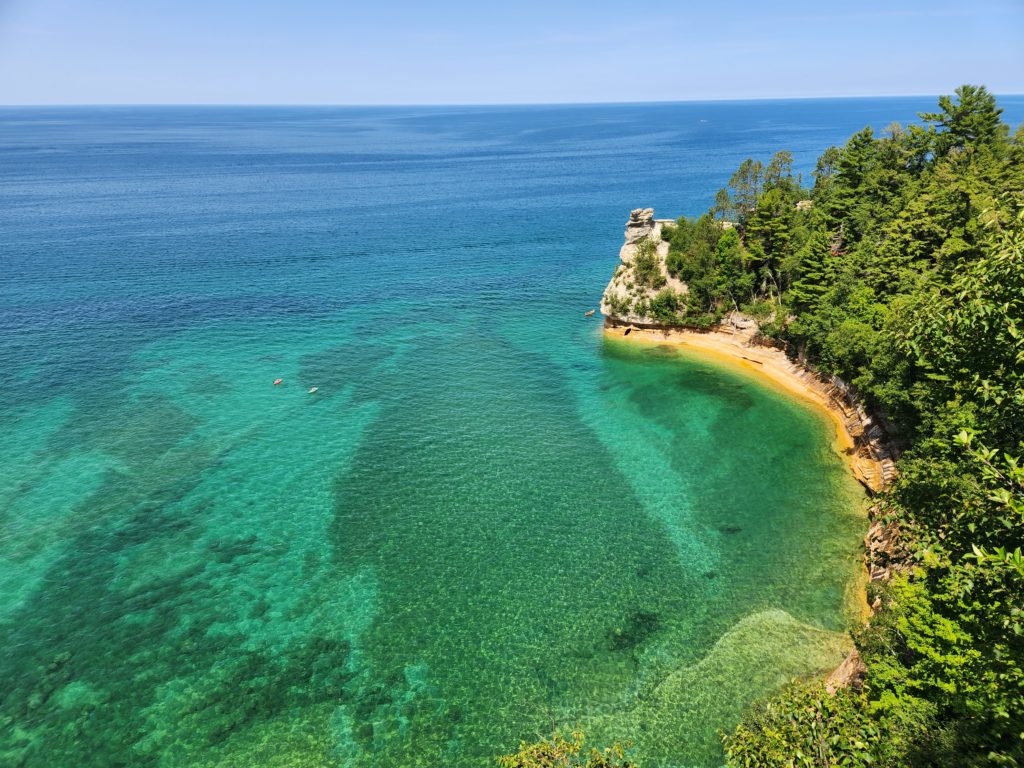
[589, 312]
[278, 381]
[312, 390]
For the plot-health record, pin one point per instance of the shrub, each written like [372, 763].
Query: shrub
[666, 306]
[805, 727]
[620, 305]
[761, 310]
[558, 752]
[647, 265]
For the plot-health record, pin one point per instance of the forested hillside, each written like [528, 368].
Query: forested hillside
[901, 270]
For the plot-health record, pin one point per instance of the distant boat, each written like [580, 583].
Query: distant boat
[277, 381]
[589, 312]
[312, 390]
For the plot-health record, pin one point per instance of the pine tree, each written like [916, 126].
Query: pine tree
[812, 279]
[973, 120]
[746, 188]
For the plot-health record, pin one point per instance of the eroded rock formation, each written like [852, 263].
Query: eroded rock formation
[885, 550]
[640, 225]
[627, 298]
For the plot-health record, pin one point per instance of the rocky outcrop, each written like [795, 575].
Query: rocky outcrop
[848, 674]
[627, 298]
[640, 225]
[885, 550]
[740, 324]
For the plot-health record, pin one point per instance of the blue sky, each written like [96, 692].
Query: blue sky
[453, 51]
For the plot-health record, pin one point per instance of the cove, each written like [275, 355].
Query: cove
[487, 519]
[650, 542]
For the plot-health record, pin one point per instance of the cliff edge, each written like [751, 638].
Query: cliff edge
[644, 298]
[641, 279]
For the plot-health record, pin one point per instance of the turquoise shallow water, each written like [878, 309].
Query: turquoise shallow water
[489, 519]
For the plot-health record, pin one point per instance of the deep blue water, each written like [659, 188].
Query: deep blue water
[486, 520]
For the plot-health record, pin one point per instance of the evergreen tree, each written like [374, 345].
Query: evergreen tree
[845, 205]
[723, 206]
[972, 121]
[746, 188]
[825, 171]
[811, 279]
[779, 171]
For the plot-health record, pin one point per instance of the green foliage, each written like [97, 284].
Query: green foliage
[559, 752]
[691, 242]
[714, 265]
[620, 305]
[723, 204]
[806, 727]
[746, 188]
[967, 336]
[769, 233]
[972, 120]
[647, 266]
[666, 307]
[813, 269]
[779, 173]
[906, 278]
[732, 276]
[825, 171]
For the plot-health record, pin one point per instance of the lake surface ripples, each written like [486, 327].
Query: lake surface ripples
[487, 519]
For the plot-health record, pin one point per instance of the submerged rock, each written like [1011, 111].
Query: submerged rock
[639, 625]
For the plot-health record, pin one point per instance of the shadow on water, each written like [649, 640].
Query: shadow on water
[493, 573]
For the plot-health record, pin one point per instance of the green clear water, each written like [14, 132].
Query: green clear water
[426, 562]
[489, 520]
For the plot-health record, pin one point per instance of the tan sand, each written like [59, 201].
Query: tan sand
[772, 365]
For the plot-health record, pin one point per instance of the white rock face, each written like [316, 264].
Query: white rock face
[624, 287]
[640, 225]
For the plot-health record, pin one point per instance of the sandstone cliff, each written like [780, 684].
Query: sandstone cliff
[631, 299]
[641, 274]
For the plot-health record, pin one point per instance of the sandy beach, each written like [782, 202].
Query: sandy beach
[774, 366]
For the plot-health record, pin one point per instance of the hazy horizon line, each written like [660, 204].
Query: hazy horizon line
[487, 104]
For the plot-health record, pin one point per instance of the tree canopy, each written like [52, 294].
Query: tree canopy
[906, 278]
